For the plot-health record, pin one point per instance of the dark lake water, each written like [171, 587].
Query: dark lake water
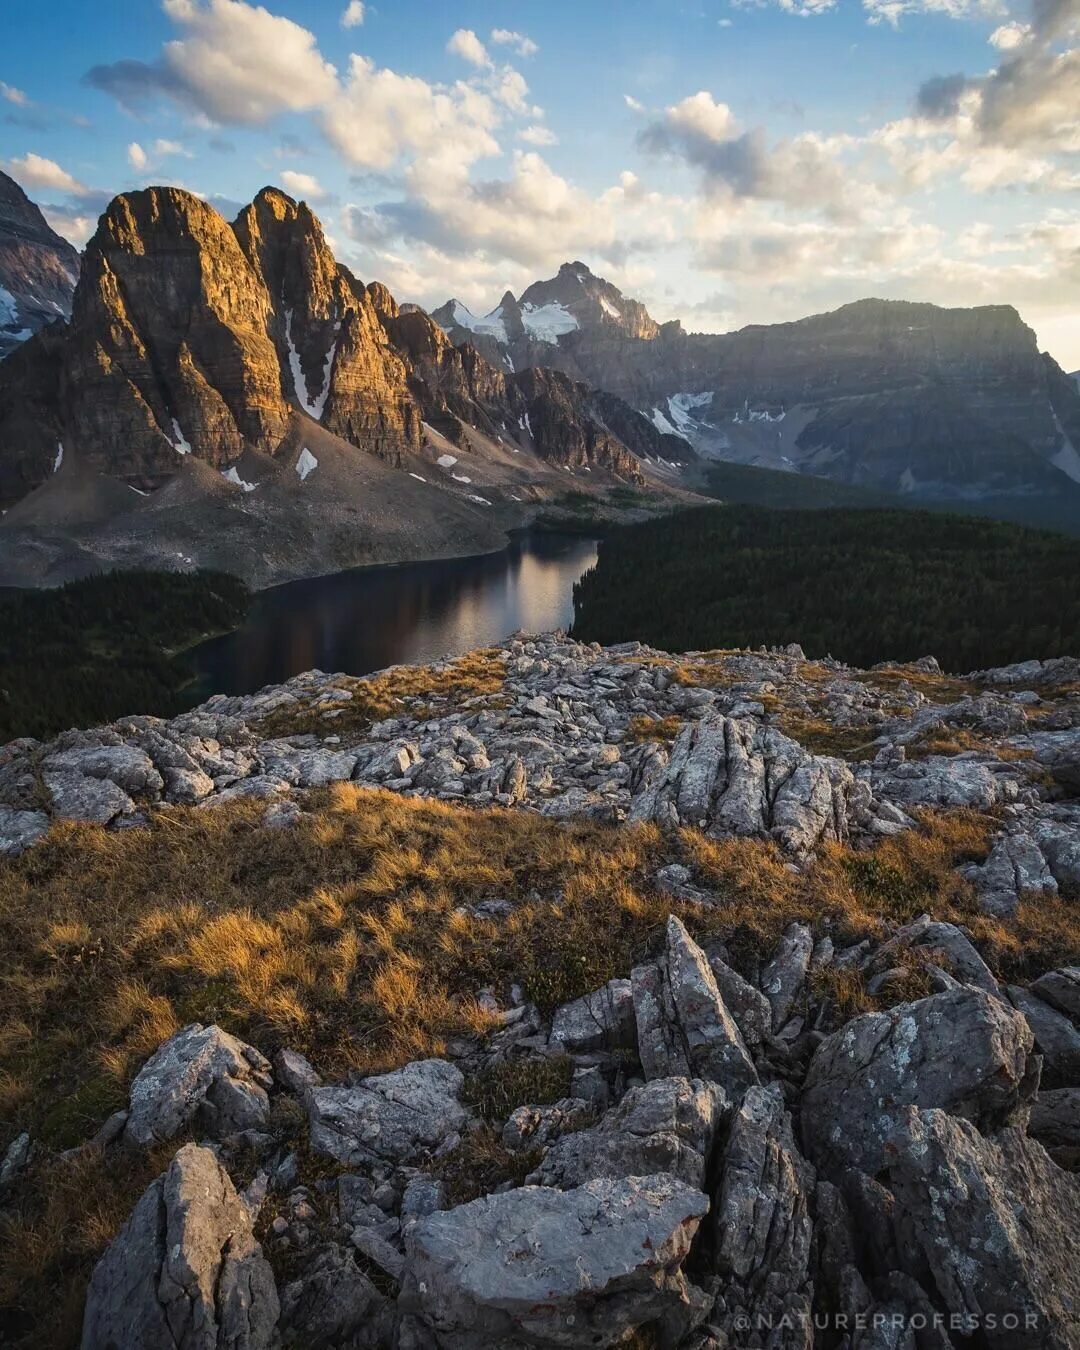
[373, 617]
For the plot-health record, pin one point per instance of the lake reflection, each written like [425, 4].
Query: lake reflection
[373, 617]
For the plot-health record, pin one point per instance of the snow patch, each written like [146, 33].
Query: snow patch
[460, 478]
[306, 464]
[1065, 458]
[9, 308]
[231, 476]
[59, 457]
[491, 325]
[609, 309]
[139, 491]
[417, 477]
[181, 444]
[548, 323]
[682, 408]
[446, 461]
[313, 407]
[661, 423]
[481, 501]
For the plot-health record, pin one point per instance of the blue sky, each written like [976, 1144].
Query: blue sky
[727, 163]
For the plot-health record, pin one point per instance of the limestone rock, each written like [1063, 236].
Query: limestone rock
[1016, 868]
[542, 1267]
[185, 1271]
[20, 829]
[394, 1117]
[732, 776]
[602, 1020]
[995, 1221]
[668, 1125]
[683, 1028]
[1056, 1037]
[1061, 989]
[964, 1051]
[763, 1227]
[532, 1127]
[782, 979]
[202, 1075]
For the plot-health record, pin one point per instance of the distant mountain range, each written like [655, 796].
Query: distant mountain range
[38, 269]
[231, 395]
[906, 397]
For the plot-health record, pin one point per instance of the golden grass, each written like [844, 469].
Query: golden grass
[936, 688]
[417, 690]
[352, 938]
[663, 729]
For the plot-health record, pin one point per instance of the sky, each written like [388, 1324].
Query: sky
[726, 161]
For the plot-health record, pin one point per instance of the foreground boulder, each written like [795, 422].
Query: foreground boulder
[201, 1075]
[394, 1117]
[764, 1232]
[964, 1051]
[684, 1029]
[541, 1267]
[185, 1271]
[994, 1225]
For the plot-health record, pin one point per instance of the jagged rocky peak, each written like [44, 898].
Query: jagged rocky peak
[589, 300]
[573, 301]
[170, 352]
[38, 269]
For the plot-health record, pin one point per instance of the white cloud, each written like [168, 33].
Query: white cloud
[468, 46]
[380, 115]
[354, 14]
[10, 94]
[33, 171]
[633, 104]
[538, 135]
[234, 62]
[506, 37]
[892, 11]
[303, 185]
[1010, 36]
[76, 227]
[164, 147]
[137, 156]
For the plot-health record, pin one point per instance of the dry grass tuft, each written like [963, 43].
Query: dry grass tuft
[663, 729]
[418, 690]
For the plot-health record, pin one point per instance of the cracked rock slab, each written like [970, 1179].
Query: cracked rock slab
[684, 1029]
[185, 1271]
[201, 1074]
[965, 1051]
[994, 1222]
[764, 1232]
[395, 1117]
[668, 1125]
[541, 1267]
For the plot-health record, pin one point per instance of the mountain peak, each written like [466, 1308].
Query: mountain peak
[38, 269]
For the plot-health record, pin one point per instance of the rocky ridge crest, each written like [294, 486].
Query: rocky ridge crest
[739, 1159]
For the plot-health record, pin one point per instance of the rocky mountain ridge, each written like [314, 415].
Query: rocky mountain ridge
[908, 397]
[248, 349]
[38, 269]
[738, 1156]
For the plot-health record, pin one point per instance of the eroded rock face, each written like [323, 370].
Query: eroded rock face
[733, 776]
[763, 1227]
[964, 1051]
[668, 1125]
[394, 1117]
[185, 1270]
[995, 1221]
[170, 351]
[201, 1074]
[544, 1267]
[683, 1027]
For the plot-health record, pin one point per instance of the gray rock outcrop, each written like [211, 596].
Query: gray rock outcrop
[185, 1271]
[201, 1075]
